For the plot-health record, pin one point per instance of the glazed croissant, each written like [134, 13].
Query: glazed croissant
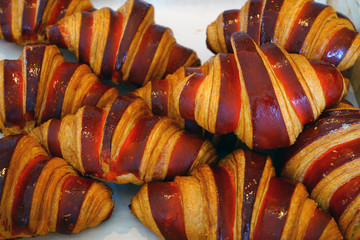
[40, 194]
[264, 95]
[124, 142]
[300, 26]
[25, 21]
[41, 85]
[124, 45]
[238, 199]
[326, 159]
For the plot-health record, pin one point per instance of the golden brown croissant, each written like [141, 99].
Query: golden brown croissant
[41, 85]
[124, 142]
[238, 199]
[40, 194]
[263, 94]
[326, 159]
[300, 26]
[24, 21]
[124, 45]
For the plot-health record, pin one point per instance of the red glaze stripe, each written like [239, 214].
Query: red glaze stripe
[288, 78]
[188, 96]
[28, 19]
[136, 18]
[339, 45]
[159, 97]
[55, 36]
[13, 93]
[72, 197]
[53, 137]
[6, 19]
[343, 197]
[269, 19]
[254, 19]
[193, 127]
[86, 30]
[117, 109]
[178, 57]
[191, 70]
[332, 159]
[317, 225]
[231, 24]
[93, 96]
[59, 11]
[7, 147]
[34, 56]
[166, 209]
[230, 96]
[40, 13]
[112, 43]
[226, 196]
[27, 181]
[254, 168]
[331, 81]
[180, 160]
[91, 135]
[299, 30]
[274, 209]
[145, 54]
[269, 130]
[57, 88]
[131, 153]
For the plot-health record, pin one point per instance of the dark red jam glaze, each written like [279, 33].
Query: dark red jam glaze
[40, 13]
[53, 137]
[231, 24]
[86, 31]
[254, 19]
[73, 193]
[269, 18]
[288, 78]
[159, 97]
[58, 11]
[97, 90]
[6, 19]
[317, 225]
[13, 93]
[166, 209]
[28, 19]
[55, 36]
[269, 130]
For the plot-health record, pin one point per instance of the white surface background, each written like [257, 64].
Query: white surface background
[188, 19]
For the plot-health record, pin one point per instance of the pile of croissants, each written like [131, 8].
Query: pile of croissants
[273, 95]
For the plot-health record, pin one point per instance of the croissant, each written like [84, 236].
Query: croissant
[263, 94]
[41, 85]
[238, 199]
[326, 159]
[25, 21]
[124, 45]
[300, 26]
[124, 142]
[40, 194]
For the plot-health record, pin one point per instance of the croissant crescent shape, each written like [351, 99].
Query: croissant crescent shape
[124, 45]
[25, 21]
[40, 194]
[300, 26]
[238, 199]
[263, 94]
[326, 159]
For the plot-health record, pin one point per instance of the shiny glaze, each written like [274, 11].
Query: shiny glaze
[57, 88]
[21, 207]
[91, 137]
[86, 31]
[33, 58]
[343, 197]
[132, 151]
[166, 209]
[317, 225]
[299, 30]
[229, 105]
[56, 37]
[112, 43]
[267, 120]
[274, 209]
[53, 137]
[254, 168]
[13, 93]
[146, 53]
[254, 19]
[231, 24]
[93, 96]
[29, 19]
[73, 193]
[288, 78]
[339, 45]
[159, 97]
[6, 19]
[180, 160]
[332, 159]
[269, 18]
[58, 11]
